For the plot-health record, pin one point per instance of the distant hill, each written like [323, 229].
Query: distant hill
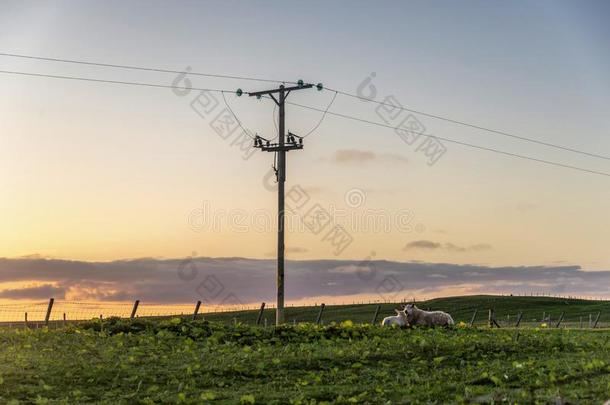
[461, 308]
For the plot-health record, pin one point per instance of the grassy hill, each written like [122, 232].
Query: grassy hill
[461, 308]
[180, 361]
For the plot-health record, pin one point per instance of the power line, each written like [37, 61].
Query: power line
[274, 122]
[466, 124]
[470, 145]
[88, 79]
[430, 115]
[143, 68]
[323, 116]
[314, 109]
[247, 132]
[316, 126]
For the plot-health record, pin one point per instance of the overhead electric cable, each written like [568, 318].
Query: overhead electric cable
[246, 131]
[223, 76]
[325, 112]
[475, 126]
[88, 79]
[323, 116]
[470, 145]
[143, 68]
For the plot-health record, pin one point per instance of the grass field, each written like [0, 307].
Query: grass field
[461, 309]
[181, 361]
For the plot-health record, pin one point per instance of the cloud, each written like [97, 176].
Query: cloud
[40, 292]
[473, 248]
[430, 245]
[422, 244]
[36, 256]
[354, 156]
[241, 280]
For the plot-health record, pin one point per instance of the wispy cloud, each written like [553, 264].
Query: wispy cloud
[423, 244]
[354, 156]
[430, 245]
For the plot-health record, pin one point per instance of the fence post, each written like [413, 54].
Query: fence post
[519, 319]
[197, 305]
[596, 320]
[64, 319]
[559, 321]
[260, 314]
[376, 314]
[319, 319]
[26, 320]
[134, 309]
[474, 315]
[49, 308]
[492, 319]
[581, 322]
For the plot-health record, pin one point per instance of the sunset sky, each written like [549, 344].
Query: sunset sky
[102, 172]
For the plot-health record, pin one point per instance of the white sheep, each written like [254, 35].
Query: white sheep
[416, 316]
[400, 319]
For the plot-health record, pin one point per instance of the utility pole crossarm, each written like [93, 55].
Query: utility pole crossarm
[282, 88]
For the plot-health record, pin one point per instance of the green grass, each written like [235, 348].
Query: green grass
[180, 361]
[461, 308]
[214, 360]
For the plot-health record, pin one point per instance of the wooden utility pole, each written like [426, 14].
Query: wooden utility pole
[286, 142]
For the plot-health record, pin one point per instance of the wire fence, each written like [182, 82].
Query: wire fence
[54, 310]
[494, 311]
